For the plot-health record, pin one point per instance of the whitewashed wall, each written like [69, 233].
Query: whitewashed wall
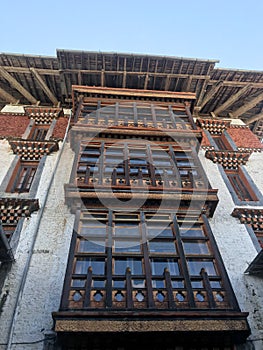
[236, 247]
[45, 277]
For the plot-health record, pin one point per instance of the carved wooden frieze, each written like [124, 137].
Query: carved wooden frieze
[12, 209]
[214, 126]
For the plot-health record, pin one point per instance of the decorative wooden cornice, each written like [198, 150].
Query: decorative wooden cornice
[228, 159]
[12, 209]
[214, 126]
[253, 217]
[43, 115]
[33, 150]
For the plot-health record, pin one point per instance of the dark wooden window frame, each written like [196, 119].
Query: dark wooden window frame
[201, 289]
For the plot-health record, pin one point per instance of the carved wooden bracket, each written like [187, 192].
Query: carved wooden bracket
[228, 159]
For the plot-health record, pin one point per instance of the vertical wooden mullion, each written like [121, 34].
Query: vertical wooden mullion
[101, 163]
[169, 289]
[126, 164]
[26, 178]
[135, 114]
[153, 116]
[183, 263]
[147, 266]
[190, 118]
[175, 166]
[73, 175]
[172, 116]
[151, 166]
[109, 263]
[200, 169]
[88, 286]
[129, 300]
[208, 289]
[220, 266]
[116, 116]
[70, 263]
[98, 113]
[87, 175]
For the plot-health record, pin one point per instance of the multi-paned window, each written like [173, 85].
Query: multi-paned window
[144, 259]
[241, 185]
[136, 114]
[128, 164]
[23, 177]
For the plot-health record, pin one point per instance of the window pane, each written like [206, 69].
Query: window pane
[97, 266]
[162, 247]
[158, 266]
[120, 266]
[195, 248]
[127, 246]
[159, 231]
[196, 266]
[90, 247]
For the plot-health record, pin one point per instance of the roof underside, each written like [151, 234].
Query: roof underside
[43, 80]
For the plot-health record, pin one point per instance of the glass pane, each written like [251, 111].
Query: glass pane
[120, 266]
[160, 231]
[158, 284]
[158, 266]
[98, 283]
[196, 266]
[89, 246]
[127, 231]
[97, 266]
[127, 246]
[162, 247]
[191, 231]
[93, 231]
[138, 283]
[195, 248]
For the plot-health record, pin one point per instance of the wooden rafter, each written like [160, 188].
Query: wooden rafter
[15, 84]
[7, 97]
[44, 87]
[254, 119]
[232, 99]
[247, 106]
[211, 93]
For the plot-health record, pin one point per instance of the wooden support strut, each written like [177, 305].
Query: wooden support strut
[15, 84]
[7, 97]
[232, 99]
[247, 106]
[211, 93]
[254, 119]
[44, 87]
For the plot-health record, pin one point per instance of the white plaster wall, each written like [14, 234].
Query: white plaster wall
[254, 167]
[6, 158]
[237, 249]
[44, 282]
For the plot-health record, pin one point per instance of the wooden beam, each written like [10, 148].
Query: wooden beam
[102, 78]
[232, 99]
[211, 93]
[15, 84]
[254, 119]
[24, 70]
[7, 97]
[247, 106]
[124, 74]
[232, 83]
[44, 87]
[154, 74]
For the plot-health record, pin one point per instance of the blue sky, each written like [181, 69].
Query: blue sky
[230, 31]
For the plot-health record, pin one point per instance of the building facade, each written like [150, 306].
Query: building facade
[131, 203]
